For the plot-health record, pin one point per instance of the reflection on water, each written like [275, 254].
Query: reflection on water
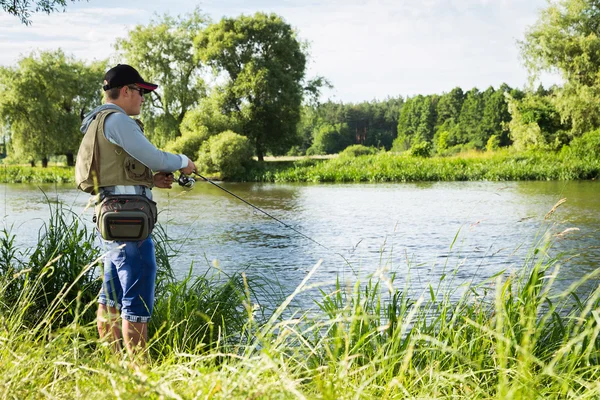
[423, 232]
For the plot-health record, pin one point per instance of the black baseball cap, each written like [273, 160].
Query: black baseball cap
[124, 74]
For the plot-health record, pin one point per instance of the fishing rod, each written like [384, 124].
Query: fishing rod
[188, 182]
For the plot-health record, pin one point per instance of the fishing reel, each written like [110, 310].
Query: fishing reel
[186, 181]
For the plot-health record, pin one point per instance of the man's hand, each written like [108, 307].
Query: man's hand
[191, 167]
[163, 180]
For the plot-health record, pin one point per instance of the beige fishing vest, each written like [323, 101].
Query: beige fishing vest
[101, 163]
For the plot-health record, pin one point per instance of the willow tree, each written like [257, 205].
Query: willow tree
[23, 8]
[566, 39]
[262, 64]
[43, 99]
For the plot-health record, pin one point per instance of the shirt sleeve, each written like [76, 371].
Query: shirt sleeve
[121, 130]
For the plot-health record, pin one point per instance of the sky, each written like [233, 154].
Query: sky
[368, 50]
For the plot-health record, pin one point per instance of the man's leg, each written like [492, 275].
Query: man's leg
[108, 316]
[138, 277]
[109, 327]
[135, 336]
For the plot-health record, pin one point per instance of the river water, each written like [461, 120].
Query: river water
[459, 231]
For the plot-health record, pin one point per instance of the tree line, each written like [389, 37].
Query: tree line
[248, 75]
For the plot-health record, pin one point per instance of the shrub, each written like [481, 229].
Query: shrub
[441, 142]
[421, 149]
[401, 144]
[189, 142]
[226, 153]
[330, 139]
[358, 150]
[586, 145]
[295, 151]
[493, 143]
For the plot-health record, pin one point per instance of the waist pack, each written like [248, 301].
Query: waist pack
[125, 217]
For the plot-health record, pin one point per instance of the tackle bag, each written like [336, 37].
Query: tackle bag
[125, 217]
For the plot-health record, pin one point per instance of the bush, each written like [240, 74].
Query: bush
[189, 142]
[330, 139]
[358, 150]
[422, 149]
[493, 143]
[295, 151]
[226, 153]
[586, 145]
[209, 114]
[401, 144]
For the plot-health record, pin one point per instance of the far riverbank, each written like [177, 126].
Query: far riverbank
[382, 167]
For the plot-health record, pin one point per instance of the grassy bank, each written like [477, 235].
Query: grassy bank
[27, 174]
[390, 167]
[382, 167]
[511, 337]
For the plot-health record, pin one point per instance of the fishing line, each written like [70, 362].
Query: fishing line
[264, 212]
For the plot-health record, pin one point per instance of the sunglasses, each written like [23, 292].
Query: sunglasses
[137, 89]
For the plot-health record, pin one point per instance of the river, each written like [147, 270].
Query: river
[423, 232]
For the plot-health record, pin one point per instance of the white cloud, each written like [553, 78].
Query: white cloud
[367, 48]
[86, 33]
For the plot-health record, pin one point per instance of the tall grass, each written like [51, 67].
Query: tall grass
[514, 336]
[390, 167]
[383, 167]
[25, 174]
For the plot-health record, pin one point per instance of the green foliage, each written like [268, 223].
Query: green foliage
[401, 144]
[43, 98]
[162, 52]
[502, 165]
[441, 141]
[421, 149]
[330, 139]
[586, 146]
[566, 39]
[63, 266]
[469, 120]
[192, 314]
[226, 153]
[535, 123]
[23, 8]
[208, 115]
[358, 150]
[263, 64]
[493, 143]
[189, 143]
[19, 174]
[417, 118]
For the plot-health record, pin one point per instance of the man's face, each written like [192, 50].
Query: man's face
[133, 98]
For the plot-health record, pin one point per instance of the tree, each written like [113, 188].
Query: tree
[566, 38]
[536, 123]
[263, 64]
[43, 100]
[163, 53]
[495, 118]
[23, 8]
[470, 118]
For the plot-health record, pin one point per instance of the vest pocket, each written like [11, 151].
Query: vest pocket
[135, 170]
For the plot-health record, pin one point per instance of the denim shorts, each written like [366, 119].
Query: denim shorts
[129, 278]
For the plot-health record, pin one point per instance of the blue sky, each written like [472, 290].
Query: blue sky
[368, 49]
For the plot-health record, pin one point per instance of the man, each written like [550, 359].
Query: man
[122, 159]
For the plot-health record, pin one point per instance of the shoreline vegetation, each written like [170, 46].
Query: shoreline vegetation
[512, 336]
[380, 167]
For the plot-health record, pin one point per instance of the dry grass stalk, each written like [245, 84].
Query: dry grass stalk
[560, 202]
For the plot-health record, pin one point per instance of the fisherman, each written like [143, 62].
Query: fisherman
[115, 161]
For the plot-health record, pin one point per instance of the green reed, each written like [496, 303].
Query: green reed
[26, 174]
[390, 167]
